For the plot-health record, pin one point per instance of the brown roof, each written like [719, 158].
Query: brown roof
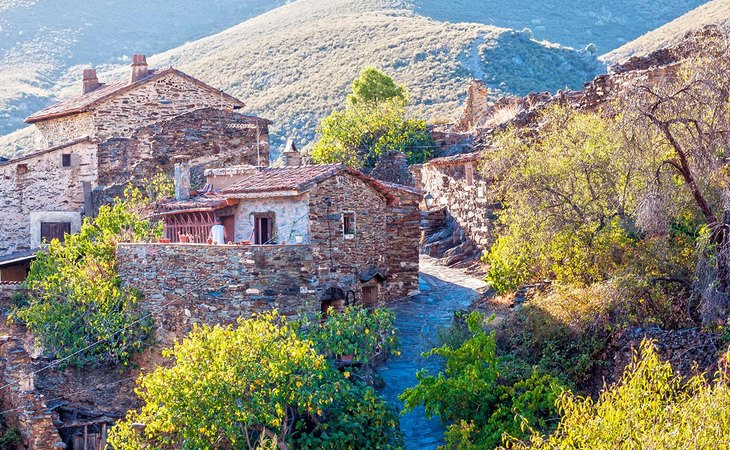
[296, 180]
[86, 102]
[205, 201]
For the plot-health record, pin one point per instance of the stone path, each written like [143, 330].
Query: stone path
[443, 291]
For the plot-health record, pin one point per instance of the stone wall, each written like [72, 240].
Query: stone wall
[340, 260]
[466, 203]
[212, 137]
[64, 129]
[393, 168]
[162, 99]
[39, 184]
[290, 218]
[404, 234]
[192, 283]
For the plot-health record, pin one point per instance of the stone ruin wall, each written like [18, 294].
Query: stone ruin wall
[468, 205]
[63, 129]
[191, 283]
[123, 114]
[45, 187]
[404, 235]
[212, 137]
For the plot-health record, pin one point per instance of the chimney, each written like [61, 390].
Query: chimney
[139, 67]
[291, 155]
[182, 177]
[90, 81]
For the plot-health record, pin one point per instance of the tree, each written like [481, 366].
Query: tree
[373, 86]
[374, 121]
[258, 385]
[77, 305]
[686, 120]
[651, 407]
[478, 396]
[569, 194]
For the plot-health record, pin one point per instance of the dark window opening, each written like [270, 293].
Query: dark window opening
[263, 230]
[22, 169]
[66, 160]
[370, 296]
[55, 230]
[469, 175]
[348, 224]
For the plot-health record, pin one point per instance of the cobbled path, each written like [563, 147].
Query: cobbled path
[443, 291]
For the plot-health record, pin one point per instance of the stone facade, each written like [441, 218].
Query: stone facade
[38, 188]
[192, 283]
[393, 168]
[290, 215]
[59, 131]
[403, 231]
[456, 184]
[208, 135]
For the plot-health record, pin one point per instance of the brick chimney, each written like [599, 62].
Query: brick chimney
[139, 67]
[91, 82]
[182, 177]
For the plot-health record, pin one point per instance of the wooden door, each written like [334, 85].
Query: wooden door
[229, 224]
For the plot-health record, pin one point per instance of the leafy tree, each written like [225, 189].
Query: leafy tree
[685, 121]
[478, 394]
[356, 331]
[77, 306]
[649, 408]
[374, 86]
[258, 385]
[373, 122]
[569, 194]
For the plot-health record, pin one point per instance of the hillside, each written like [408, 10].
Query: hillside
[293, 64]
[575, 23]
[716, 12]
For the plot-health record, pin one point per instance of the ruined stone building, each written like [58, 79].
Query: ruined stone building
[90, 146]
[300, 239]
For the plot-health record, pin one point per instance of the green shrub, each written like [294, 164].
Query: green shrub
[258, 385]
[478, 394]
[650, 407]
[76, 304]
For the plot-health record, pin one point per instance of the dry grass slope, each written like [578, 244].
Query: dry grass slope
[715, 12]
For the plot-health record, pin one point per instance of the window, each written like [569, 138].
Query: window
[469, 174]
[348, 225]
[54, 230]
[263, 229]
[66, 160]
[22, 169]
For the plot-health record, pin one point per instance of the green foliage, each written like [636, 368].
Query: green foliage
[374, 122]
[76, 305]
[9, 439]
[649, 408]
[478, 394]
[568, 195]
[356, 331]
[374, 86]
[258, 385]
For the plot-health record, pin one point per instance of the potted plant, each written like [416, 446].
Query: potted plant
[184, 238]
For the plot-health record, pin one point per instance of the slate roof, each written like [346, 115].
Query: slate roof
[17, 257]
[86, 102]
[456, 159]
[204, 201]
[296, 180]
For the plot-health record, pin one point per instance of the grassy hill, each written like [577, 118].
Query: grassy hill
[716, 12]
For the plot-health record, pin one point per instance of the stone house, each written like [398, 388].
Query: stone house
[90, 146]
[300, 239]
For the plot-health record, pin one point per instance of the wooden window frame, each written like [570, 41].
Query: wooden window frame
[66, 160]
[353, 228]
[64, 228]
[257, 236]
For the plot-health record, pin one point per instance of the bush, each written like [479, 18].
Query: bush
[649, 408]
[356, 331]
[258, 385]
[76, 304]
[480, 395]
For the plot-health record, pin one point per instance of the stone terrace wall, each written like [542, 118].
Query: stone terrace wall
[38, 183]
[467, 204]
[155, 101]
[189, 283]
[212, 137]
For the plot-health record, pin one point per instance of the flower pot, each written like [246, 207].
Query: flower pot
[164, 241]
[210, 241]
[346, 358]
[298, 239]
[184, 238]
